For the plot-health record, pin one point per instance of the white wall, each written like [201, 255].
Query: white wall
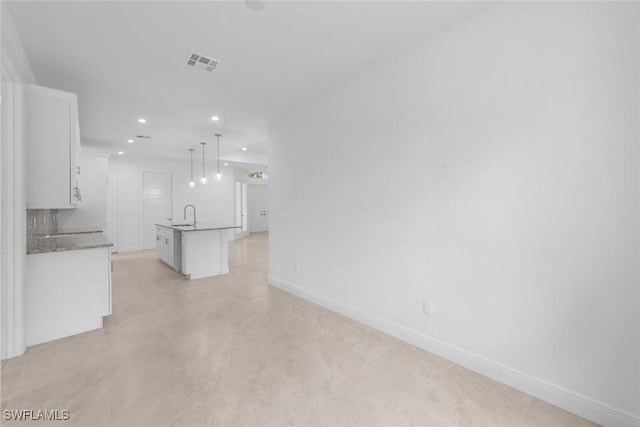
[92, 211]
[214, 201]
[16, 71]
[494, 171]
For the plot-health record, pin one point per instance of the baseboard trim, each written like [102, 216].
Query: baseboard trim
[573, 402]
[237, 236]
[127, 249]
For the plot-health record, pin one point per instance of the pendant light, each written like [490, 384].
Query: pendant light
[192, 183]
[218, 175]
[204, 178]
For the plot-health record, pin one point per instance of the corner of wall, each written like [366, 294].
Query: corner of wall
[16, 71]
[14, 57]
[552, 393]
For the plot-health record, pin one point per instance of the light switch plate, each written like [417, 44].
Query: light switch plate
[427, 307]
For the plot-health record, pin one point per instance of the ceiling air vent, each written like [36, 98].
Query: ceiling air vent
[143, 137]
[198, 61]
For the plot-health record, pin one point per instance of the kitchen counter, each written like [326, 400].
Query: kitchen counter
[197, 252]
[67, 290]
[67, 242]
[199, 226]
[76, 230]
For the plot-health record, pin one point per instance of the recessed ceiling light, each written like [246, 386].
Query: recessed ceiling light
[254, 4]
[226, 164]
[130, 141]
[244, 148]
[141, 120]
[215, 118]
[121, 152]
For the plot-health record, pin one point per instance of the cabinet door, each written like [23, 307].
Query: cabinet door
[185, 253]
[158, 241]
[66, 293]
[168, 240]
[52, 141]
[76, 193]
[165, 255]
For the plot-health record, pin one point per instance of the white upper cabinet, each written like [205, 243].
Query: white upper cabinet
[52, 134]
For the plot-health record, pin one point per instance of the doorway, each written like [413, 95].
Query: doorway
[157, 204]
[241, 210]
[257, 207]
[112, 208]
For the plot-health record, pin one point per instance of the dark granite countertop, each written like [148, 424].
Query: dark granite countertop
[199, 226]
[68, 242]
[76, 230]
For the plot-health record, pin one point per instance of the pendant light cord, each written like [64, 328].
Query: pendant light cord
[218, 136]
[218, 175]
[191, 151]
[203, 144]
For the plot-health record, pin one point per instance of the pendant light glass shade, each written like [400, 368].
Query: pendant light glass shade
[204, 178]
[191, 182]
[218, 174]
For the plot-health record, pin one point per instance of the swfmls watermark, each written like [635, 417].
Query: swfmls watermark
[36, 415]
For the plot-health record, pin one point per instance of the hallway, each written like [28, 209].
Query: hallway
[232, 350]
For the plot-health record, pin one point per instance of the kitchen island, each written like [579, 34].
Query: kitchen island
[67, 284]
[196, 251]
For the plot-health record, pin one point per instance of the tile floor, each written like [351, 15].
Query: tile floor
[233, 351]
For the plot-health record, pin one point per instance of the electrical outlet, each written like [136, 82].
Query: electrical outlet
[296, 267]
[427, 307]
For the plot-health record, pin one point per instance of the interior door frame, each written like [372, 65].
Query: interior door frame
[142, 202]
[15, 72]
[248, 216]
[12, 215]
[115, 237]
[240, 198]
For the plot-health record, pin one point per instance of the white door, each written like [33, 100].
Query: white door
[241, 210]
[257, 196]
[245, 214]
[157, 204]
[112, 208]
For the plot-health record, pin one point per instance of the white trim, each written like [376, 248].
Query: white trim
[13, 226]
[94, 154]
[115, 237]
[141, 203]
[239, 236]
[131, 249]
[556, 395]
[16, 71]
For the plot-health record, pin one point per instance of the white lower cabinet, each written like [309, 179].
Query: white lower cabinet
[66, 293]
[204, 253]
[197, 253]
[168, 246]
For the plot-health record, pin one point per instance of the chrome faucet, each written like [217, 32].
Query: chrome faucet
[194, 214]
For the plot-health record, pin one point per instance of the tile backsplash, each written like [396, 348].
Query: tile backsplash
[41, 222]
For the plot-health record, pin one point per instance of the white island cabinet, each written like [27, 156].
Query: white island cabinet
[203, 250]
[168, 246]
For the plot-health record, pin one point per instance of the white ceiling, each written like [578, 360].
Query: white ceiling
[125, 60]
